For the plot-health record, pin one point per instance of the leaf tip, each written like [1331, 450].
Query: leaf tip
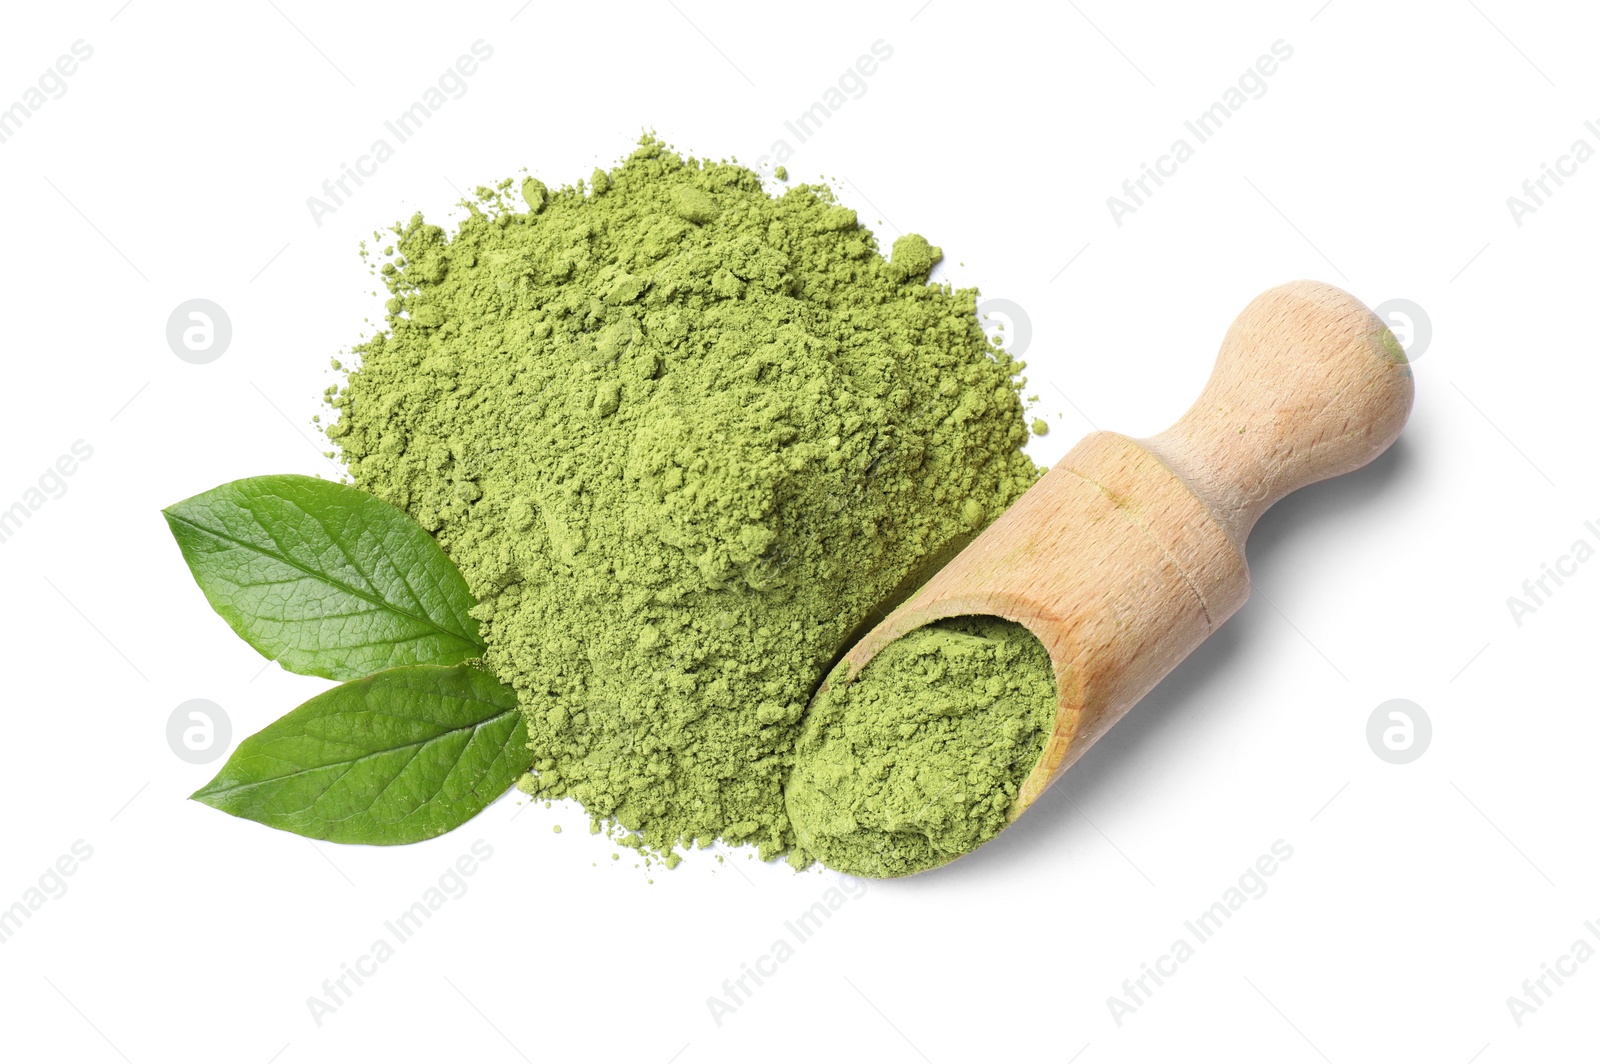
[207, 794]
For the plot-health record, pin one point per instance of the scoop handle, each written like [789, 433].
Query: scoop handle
[1308, 384]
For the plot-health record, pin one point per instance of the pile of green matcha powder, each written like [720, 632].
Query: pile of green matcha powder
[683, 438]
[918, 759]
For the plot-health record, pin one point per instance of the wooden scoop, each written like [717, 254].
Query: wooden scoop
[1129, 553]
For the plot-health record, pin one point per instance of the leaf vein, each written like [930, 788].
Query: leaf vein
[325, 578]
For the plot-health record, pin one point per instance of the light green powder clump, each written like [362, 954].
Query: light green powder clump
[918, 760]
[682, 438]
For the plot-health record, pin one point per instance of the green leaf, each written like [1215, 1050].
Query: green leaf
[325, 578]
[398, 757]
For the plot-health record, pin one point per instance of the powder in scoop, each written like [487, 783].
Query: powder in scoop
[918, 760]
[682, 438]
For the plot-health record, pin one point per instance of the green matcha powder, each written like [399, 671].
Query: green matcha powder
[918, 759]
[684, 439]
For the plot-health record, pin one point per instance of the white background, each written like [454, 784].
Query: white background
[1418, 898]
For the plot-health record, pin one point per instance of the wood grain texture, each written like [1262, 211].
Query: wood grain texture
[1128, 553]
